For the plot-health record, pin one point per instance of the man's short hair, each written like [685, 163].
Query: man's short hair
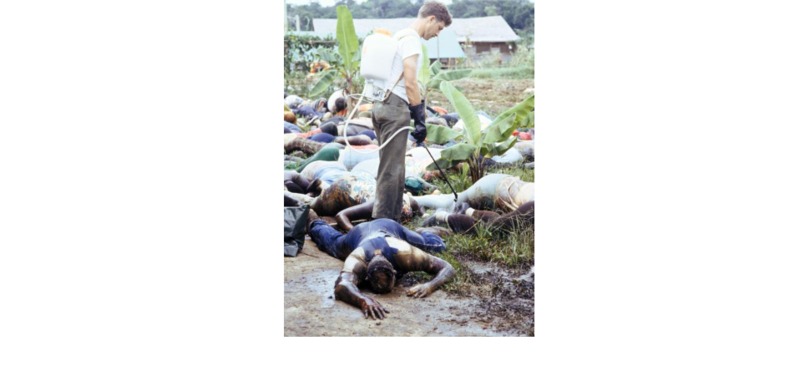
[436, 9]
[380, 275]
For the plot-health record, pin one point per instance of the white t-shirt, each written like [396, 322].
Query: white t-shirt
[408, 44]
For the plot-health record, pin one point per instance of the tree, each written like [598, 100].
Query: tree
[518, 13]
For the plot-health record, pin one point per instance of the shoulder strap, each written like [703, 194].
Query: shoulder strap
[388, 92]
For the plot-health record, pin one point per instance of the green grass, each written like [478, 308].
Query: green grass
[505, 73]
[416, 221]
[513, 249]
[463, 278]
[459, 180]
[525, 174]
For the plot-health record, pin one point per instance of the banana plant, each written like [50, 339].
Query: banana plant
[346, 73]
[431, 75]
[474, 143]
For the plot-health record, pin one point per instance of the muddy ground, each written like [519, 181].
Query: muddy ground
[498, 304]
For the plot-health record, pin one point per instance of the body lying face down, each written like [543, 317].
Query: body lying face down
[378, 263]
[376, 254]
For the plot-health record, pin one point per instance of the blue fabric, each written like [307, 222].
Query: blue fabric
[329, 127]
[451, 118]
[291, 128]
[370, 134]
[307, 112]
[434, 243]
[387, 251]
[322, 137]
[340, 246]
[329, 240]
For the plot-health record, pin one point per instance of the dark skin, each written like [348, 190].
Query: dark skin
[364, 212]
[355, 272]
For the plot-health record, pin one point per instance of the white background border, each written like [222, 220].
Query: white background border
[140, 170]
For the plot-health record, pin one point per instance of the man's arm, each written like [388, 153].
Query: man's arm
[354, 213]
[410, 79]
[417, 260]
[347, 291]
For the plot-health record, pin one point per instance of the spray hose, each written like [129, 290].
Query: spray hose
[384, 143]
[350, 117]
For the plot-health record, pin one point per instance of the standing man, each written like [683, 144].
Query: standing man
[403, 104]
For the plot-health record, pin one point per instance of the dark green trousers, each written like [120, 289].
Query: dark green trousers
[387, 118]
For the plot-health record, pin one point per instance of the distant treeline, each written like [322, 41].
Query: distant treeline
[518, 13]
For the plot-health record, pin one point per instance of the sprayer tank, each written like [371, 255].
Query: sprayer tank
[377, 55]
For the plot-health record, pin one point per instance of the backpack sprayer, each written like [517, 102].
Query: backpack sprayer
[377, 56]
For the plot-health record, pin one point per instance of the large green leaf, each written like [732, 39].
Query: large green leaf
[346, 36]
[453, 155]
[523, 113]
[472, 125]
[324, 81]
[459, 152]
[527, 122]
[425, 71]
[443, 164]
[448, 75]
[500, 129]
[436, 67]
[438, 134]
[499, 148]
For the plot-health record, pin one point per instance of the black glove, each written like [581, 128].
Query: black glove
[418, 114]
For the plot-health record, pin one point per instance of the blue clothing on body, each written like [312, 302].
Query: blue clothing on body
[308, 112]
[370, 236]
[322, 137]
[452, 118]
[368, 133]
[290, 128]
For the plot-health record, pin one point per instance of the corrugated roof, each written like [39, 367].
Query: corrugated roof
[477, 29]
[483, 29]
[446, 43]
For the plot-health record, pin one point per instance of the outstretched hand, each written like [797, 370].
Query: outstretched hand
[420, 291]
[372, 309]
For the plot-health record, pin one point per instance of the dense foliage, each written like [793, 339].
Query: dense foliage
[302, 50]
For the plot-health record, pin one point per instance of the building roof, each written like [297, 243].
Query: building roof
[444, 46]
[483, 29]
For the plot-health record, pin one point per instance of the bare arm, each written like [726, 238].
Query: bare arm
[418, 260]
[354, 213]
[346, 290]
[410, 79]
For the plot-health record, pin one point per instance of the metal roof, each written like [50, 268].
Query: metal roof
[446, 43]
[483, 29]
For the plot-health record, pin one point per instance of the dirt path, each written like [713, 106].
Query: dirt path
[311, 310]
